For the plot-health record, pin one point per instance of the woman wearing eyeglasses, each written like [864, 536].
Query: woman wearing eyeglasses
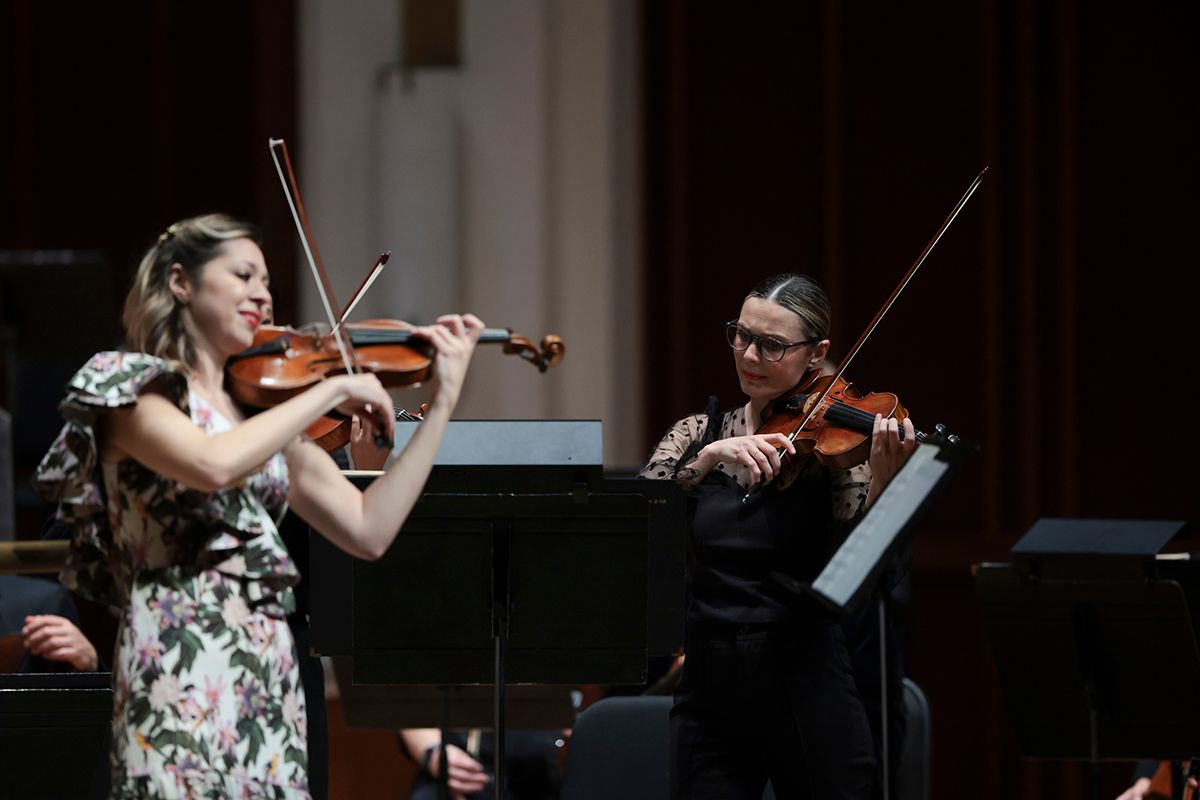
[767, 689]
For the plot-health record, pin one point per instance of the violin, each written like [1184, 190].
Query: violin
[838, 433]
[1167, 779]
[284, 362]
[826, 415]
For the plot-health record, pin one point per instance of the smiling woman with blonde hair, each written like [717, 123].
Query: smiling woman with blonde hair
[174, 496]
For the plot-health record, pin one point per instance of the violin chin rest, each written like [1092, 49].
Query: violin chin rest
[793, 404]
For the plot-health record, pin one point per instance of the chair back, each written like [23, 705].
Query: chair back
[914, 776]
[620, 748]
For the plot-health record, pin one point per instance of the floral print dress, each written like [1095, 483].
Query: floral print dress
[206, 689]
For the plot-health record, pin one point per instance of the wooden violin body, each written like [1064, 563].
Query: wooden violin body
[830, 419]
[838, 432]
[283, 362]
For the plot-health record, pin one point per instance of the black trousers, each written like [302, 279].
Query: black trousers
[777, 702]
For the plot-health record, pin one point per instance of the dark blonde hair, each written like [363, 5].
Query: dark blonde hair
[153, 322]
[802, 296]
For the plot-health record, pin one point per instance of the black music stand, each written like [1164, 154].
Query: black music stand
[54, 734]
[1072, 628]
[887, 527]
[519, 564]
[854, 570]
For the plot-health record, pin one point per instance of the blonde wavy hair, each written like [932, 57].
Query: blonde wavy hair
[152, 317]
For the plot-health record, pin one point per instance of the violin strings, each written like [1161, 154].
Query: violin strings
[379, 336]
[399, 336]
[849, 413]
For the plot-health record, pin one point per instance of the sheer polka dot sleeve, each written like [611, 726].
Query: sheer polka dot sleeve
[850, 487]
[664, 462]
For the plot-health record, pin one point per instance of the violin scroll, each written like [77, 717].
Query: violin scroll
[552, 350]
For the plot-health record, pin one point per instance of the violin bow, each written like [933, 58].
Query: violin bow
[887, 306]
[291, 191]
[376, 269]
[300, 217]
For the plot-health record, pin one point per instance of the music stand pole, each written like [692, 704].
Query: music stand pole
[883, 698]
[1087, 663]
[500, 561]
[443, 780]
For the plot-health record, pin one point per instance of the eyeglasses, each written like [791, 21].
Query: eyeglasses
[770, 348]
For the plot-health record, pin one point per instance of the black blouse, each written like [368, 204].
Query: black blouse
[791, 526]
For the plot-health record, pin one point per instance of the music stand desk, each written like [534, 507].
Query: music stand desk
[520, 563]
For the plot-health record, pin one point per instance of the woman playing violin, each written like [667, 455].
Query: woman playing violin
[767, 689]
[175, 496]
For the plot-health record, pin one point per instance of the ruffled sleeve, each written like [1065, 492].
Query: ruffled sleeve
[69, 474]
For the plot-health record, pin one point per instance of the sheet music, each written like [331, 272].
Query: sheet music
[852, 563]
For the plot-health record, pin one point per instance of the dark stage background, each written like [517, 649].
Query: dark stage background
[1052, 324]
[833, 138]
